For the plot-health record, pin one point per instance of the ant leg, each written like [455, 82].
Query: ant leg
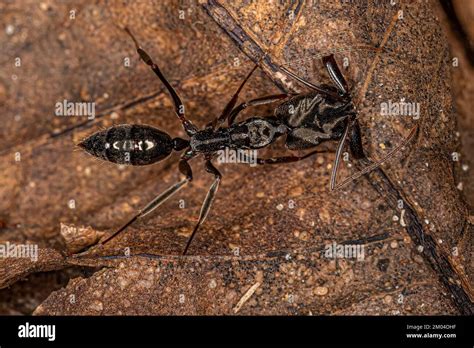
[340, 147]
[206, 205]
[189, 127]
[284, 159]
[185, 169]
[258, 101]
[378, 163]
[335, 74]
[230, 105]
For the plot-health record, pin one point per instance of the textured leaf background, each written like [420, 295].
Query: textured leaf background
[416, 263]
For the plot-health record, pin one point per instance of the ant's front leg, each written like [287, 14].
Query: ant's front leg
[188, 126]
[185, 169]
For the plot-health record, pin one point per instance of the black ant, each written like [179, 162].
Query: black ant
[307, 120]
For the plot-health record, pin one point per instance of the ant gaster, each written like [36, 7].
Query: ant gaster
[307, 120]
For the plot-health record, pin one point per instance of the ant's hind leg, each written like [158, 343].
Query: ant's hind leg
[185, 169]
[188, 126]
[206, 205]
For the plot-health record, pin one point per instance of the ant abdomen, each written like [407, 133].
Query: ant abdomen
[129, 144]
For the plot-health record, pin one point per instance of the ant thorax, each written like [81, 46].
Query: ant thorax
[129, 144]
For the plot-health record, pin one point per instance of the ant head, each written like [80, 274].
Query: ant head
[130, 144]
